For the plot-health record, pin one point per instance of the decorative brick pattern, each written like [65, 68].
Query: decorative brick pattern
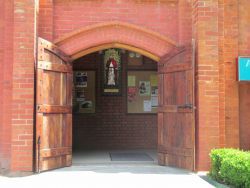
[113, 32]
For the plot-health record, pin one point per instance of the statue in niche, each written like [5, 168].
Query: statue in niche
[111, 72]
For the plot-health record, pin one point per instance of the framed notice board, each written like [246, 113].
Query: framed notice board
[142, 92]
[84, 92]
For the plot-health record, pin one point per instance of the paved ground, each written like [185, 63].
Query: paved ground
[109, 176]
[95, 169]
[103, 156]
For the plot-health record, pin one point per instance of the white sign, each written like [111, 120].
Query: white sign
[147, 106]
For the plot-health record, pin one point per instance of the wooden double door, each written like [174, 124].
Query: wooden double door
[54, 109]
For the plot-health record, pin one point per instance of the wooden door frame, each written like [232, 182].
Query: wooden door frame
[127, 47]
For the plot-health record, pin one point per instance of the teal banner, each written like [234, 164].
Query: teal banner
[244, 69]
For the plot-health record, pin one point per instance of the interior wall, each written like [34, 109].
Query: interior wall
[111, 127]
[244, 88]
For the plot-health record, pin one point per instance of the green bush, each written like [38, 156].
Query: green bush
[231, 166]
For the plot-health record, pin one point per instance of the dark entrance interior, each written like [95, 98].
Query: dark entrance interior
[106, 124]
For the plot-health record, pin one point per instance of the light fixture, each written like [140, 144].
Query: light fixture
[131, 54]
[137, 55]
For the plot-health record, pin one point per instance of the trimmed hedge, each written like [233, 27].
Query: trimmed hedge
[231, 166]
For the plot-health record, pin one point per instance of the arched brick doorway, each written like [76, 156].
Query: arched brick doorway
[116, 34]
[175, 70]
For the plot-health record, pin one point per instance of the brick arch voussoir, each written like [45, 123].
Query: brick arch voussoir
[116, 34]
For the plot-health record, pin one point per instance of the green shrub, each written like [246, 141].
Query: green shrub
[231, 166]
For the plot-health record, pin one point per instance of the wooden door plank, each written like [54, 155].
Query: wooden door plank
[176, 111]
[175, 68]
[39, 124]
[50, 66]
[53, 152]
[45, 108]
[54, 108]
[46, 45]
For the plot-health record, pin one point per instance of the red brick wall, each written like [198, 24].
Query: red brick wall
[244, 50]
[205, 31]
[111, 127]
[6, 55]
[17, 35]
[228, 85]
[157, 16]
[216, 33]
[23, 85]
[219, 39]
[230, 53]
[185, 21]
[46, 19]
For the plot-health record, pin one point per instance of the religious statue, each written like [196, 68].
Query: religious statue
[111, 72]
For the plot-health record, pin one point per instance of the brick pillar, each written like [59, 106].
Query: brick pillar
[46, 19]
[23, 85]
[229, 49]
[6, 56]
[244, 88]
[205, 31]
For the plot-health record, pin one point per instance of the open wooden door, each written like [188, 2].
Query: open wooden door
[176, 123]
[53, 108]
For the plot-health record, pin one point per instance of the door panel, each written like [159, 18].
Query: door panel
[176, 109]
[53, 108]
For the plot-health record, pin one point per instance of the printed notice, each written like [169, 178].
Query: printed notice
[131, 81]
[144, 88]
[154, 80]
[154, 101]
[147, 106]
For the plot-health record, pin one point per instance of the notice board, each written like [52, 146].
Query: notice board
[84, 92]
[142, 92]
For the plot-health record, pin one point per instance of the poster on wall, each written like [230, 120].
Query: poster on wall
[80, 95]
[85, 105]
[147, 106]
[112, 72]
[131, 80]
[132, 94]
[154, 96]
[144, 88]
[154, 102]
[154, 80]
[142, 92]
[81, 79]
[84, 92]
[154, 91]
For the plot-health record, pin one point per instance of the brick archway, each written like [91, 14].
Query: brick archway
[115, 34]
